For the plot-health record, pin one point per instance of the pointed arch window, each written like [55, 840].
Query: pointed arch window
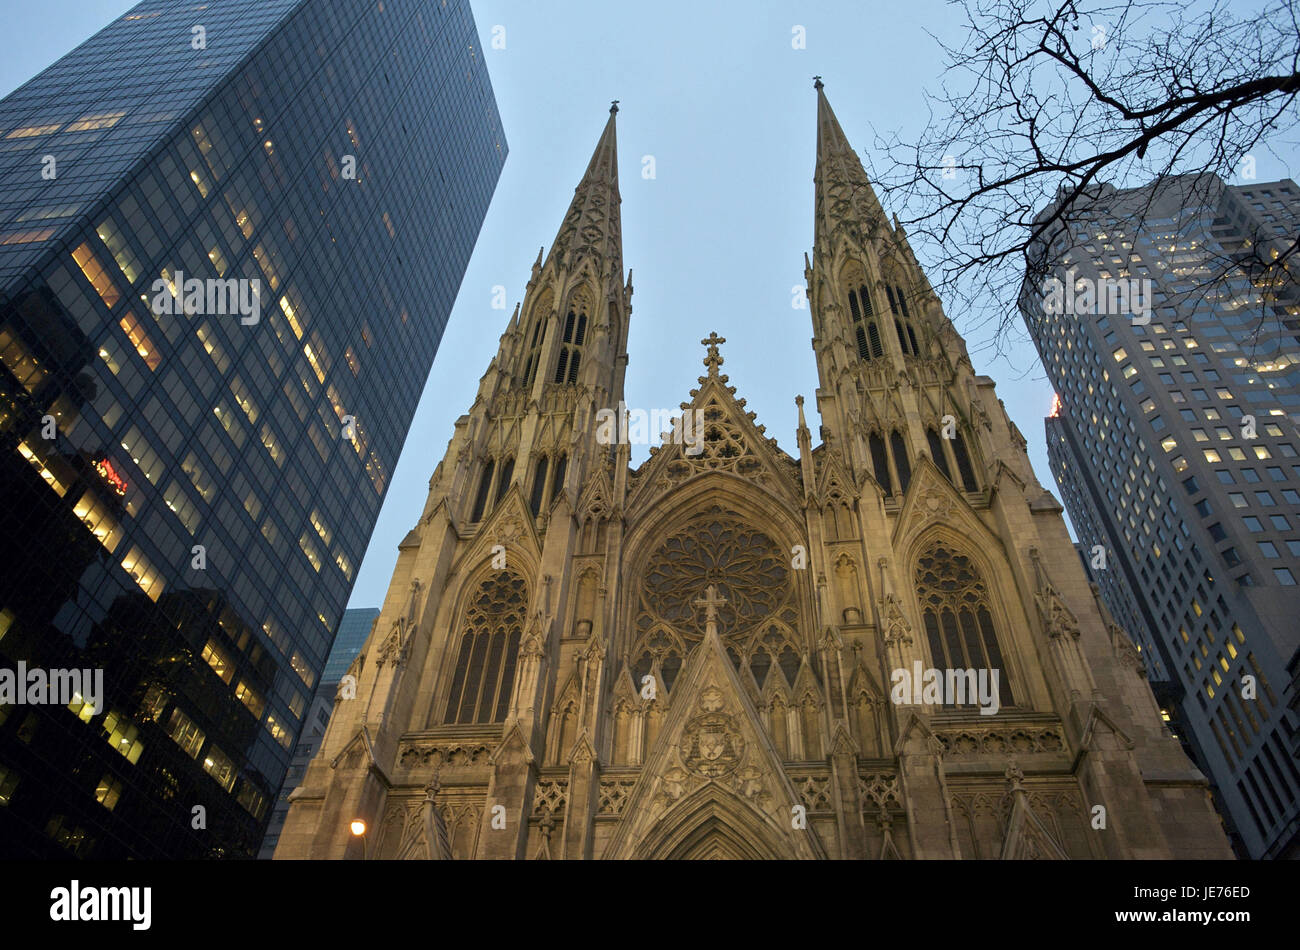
[902, 337]
[957, 615]
[539, 487]
[503, 483]
[901, 463]
[964, 467]
[937, 453]
[865, 330]
[489, 649]
[902, 302]
[911, 336]
[484, 487]
[536, 344]
[575, 335]
[880, 462]
[893, 301]
[873, 336]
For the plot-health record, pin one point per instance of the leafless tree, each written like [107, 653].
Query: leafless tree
[1046, 102]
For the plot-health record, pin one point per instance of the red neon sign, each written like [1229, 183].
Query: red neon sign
[110, 474]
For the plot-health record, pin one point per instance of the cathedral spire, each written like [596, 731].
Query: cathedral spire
[592, 224]
[844, 192]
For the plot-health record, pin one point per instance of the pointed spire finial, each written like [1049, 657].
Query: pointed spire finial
[713, 360]
[817, 82]
[613, 107]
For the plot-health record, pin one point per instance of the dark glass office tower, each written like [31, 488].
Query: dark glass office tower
[230, 237]
[1176, 446]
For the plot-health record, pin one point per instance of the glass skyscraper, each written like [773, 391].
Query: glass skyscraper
[1176, 447]
[230, 238]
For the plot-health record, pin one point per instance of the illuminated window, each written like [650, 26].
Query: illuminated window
[344, 564]
[143, 573]
[95, 273]
[108, 791]
[309, 549]
[318, 522]
[278, 732]
[102, 120]
[302, 669]
[244, 398]
[31, 131]
[81, 708]
[185, 733]
[272, 444]
[219, 661]
[250, 698]
[117, 246]
[123, 736]
[194, 469]
[8, 782]
[140, 340]
[208, 337]
[216, 764]
[351, 356]
[142, 454]
[20, 362]
[292, 316]
[317, 364]
[32, 453]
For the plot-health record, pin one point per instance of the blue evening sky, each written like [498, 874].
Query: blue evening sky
[724, 104]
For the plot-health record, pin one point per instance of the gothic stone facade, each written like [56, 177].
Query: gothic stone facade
[693, 659]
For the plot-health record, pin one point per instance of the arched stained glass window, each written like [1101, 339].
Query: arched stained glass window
[489, 648]
[957, 616]
[901, 461]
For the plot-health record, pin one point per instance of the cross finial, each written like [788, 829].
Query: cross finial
[711, 601]
[613, 106]
[817, 82]
[713, 360]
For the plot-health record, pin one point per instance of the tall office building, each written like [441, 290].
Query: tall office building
[1175, 445]
[354, 628]
[230, 238]
[703, 657]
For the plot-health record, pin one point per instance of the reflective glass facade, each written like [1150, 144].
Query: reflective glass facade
[1178, 454]
[219, 303]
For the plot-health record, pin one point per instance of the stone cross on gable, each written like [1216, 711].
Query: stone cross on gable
[711, 601]
[713, 360]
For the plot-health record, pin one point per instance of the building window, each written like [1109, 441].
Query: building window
[484, 486]
[539, 487]
[503, 483]
[575, 334]
[957, 616]
[880, 462]
[489, 648]
[937, 452]
[901, 463]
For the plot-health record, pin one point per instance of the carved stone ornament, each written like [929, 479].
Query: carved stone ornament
[711, 744]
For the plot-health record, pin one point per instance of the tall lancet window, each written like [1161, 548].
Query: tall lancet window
[880, 462]
[489, 648]
[964, 467]
[539, 487]
[484, 487]
[865, 331]
[575, 334]
[937, 453]
[503, 483]
[957, 615]
[537, 339]
[901, 462]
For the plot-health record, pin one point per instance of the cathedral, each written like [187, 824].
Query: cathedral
[712, 655]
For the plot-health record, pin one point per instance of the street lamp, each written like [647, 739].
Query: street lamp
[359, 831]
